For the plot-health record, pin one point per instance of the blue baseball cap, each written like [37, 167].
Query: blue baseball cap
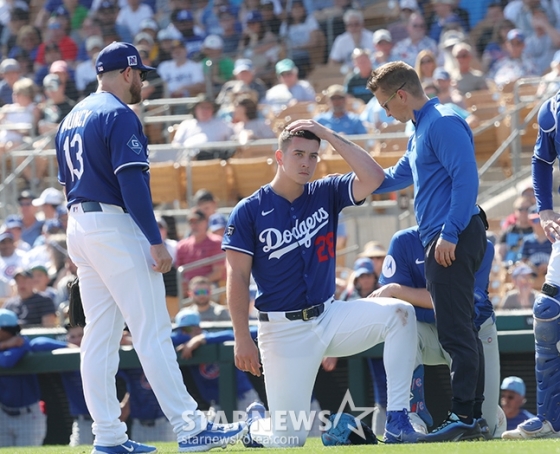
[517, 34]
[441, 74]
[119, 55]
[363, 266]
[13, 221]
[187, 317]
[182, 15]
[216, 221]
[253, 16]
[514, 384]
[8, 318]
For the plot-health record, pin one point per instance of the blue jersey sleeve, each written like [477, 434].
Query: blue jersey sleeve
[545, 153]
[9, 358]
[137, 200]
[46, 344]
[404, 265]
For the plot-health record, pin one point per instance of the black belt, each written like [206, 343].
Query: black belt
[92, 207]
[16, 411]
[306, 314]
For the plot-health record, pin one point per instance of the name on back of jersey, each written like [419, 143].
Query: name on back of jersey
[75, 120]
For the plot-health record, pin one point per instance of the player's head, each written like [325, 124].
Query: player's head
[398, 89]
[205, 201]
[74, 334]
[188, 321]
[512, 395]
[120, 70]
[297, 155]
[9, 325]
[200, 290]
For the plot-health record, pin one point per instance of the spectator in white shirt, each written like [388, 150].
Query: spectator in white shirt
[181, 76]
[354, 36]
[132, 15]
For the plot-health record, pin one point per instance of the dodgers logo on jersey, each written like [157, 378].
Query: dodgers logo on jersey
[134, 144]
[299, 235]
[132, 60]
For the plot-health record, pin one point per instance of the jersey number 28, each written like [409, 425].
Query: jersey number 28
[325, 247]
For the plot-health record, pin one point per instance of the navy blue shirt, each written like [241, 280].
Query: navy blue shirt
[295, 240]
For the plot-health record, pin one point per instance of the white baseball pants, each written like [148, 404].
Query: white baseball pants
[431, 353]
[118, 285]
[291, 353]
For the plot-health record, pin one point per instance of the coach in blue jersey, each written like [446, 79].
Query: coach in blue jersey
[285, 236]
[546, 310]
[440, 162]
[403, 277]
[114, 240]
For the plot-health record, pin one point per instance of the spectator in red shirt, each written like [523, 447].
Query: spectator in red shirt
[201, 244]
[56, 34]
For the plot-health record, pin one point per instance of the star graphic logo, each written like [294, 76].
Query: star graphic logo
[357, 428]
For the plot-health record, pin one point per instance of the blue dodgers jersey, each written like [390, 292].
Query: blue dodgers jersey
[404, 264]
[292, 244]
[97, 139]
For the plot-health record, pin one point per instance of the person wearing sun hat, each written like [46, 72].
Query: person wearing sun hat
[290, 88]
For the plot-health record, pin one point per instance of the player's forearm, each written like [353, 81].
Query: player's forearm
[419, 297]
[368, 172]
[238, 304]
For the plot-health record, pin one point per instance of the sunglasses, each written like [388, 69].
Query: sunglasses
[384, 105]
[201, 292]
[143, 74]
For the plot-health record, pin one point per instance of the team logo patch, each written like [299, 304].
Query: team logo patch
[389, 266]
[132, 60]
[134, 144]
[100, 68]
[230, 229]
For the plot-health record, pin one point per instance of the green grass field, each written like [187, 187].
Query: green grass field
[314, 445]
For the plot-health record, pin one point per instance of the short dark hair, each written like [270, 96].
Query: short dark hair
[13, 330]
[390, 76]
[251, 109]
[286, 137]
[203, 195]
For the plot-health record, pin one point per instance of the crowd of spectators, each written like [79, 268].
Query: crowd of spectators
[241, 60]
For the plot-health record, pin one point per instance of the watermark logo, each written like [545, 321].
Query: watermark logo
[284, 423]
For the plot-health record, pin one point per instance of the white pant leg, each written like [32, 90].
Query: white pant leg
[315, 430]
[355, 326]
[30, 428]
[488, 334]
[81, 432]
[553, 269]
[6, 433]
[430, 351]
[118, 257]
[291, 353]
